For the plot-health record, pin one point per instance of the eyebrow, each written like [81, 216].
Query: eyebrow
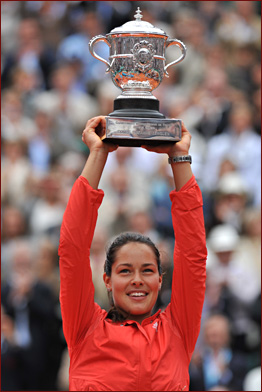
[131, 265]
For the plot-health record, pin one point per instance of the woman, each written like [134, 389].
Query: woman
[129, 349]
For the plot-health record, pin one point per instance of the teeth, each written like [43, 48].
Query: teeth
[137, 295]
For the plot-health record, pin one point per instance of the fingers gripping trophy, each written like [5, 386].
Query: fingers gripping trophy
[137, 66]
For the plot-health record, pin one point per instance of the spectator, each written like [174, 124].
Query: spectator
[97, 261]
[69, 166]
[217, 365]
[15, 124]
[230, 199]
[240, 141]
[160, 187]
[30, 305]
[47, 265]
[30, 53]
[166, 249]
[70, 106]
[223, 241]
[251, 238]
[13, 222]
[122, 199]
[26, 84]
[47, 212]
[16, 171]
[74, 48]
[10, 352]
[190, 29]
[233, 287]
[141, 222]
[136, 161]
[240, 24]
[212, 99]
[40, 146]
[14, 226]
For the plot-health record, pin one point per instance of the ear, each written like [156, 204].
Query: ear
[107, 281]
[160, 282]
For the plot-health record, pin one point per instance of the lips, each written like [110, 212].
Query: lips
[137, 294]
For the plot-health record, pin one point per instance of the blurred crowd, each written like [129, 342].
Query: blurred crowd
[51, 85]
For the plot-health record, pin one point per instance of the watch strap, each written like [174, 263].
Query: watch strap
[180, 159]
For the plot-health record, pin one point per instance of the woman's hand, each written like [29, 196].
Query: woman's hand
[175, 149]
[91, 136]
[95, 129]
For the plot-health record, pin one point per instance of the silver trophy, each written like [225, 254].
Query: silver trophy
[137, 66]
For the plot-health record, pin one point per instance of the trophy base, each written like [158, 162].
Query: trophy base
[137, 131]
[136, 107]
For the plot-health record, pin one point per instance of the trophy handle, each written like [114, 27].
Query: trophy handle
[93, 41]
[183, 50]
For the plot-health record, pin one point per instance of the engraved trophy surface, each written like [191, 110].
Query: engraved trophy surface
[137, 66]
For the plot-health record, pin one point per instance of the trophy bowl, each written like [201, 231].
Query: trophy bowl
[137, 65]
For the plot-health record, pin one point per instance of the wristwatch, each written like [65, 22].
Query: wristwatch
[178, 159]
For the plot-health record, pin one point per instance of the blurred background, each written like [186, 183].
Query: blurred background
[51, 86]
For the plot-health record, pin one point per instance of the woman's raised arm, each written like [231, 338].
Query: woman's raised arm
[76, 235]
[91, 136]
[181, 171]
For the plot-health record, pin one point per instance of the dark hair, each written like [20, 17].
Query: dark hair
[124, 239]
[117, 243]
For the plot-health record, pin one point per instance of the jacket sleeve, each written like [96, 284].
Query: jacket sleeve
[76, 286]
[189, 274]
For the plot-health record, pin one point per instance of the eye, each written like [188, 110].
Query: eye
[124, 271]
[148, 270]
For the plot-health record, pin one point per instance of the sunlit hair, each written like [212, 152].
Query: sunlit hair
[118, 242]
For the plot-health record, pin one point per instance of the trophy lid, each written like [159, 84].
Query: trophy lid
[137, 26]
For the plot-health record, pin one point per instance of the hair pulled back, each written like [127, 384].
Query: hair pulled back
[124, 239]
[121, 240]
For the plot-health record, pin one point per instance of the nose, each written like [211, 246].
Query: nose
[137, 279]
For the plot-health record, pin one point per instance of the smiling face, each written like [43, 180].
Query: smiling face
[135, 280]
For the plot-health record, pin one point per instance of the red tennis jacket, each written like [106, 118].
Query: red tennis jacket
[128, 356]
